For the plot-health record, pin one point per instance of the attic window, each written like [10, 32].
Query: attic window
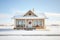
[29, 13]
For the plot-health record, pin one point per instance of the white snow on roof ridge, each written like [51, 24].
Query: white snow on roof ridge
[38, 13]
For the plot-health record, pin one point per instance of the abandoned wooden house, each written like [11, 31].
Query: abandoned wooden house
[29, 20]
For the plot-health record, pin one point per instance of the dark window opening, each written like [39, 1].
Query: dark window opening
[29, 22]
[29, 13]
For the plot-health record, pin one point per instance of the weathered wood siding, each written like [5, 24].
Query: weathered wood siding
[38, 25]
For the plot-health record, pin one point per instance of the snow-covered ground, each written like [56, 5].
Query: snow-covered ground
[48, 30]
[8, 33]
[29, 37]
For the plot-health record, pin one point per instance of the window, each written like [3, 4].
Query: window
[40, 23]
[29, 13]
[35, 22]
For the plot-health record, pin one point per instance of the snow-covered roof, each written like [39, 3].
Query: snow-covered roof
[39, 16]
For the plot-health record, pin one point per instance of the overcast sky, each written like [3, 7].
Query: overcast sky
[8, 8]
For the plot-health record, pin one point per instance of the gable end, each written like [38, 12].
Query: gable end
[30, 13]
